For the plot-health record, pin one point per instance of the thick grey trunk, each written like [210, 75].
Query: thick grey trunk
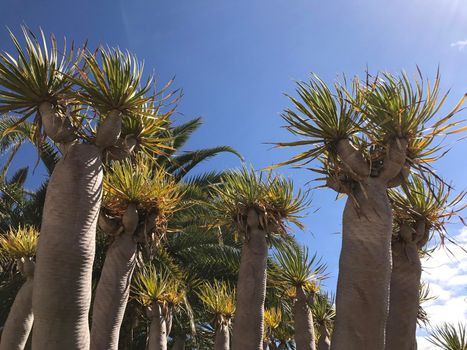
[323, 343]
[65, 253]
[179, 343]
[18, 325]
[304, 329]
[158, 329]
[251, 290]
[222, 340]
[364, 270]
[112, 293]
[404, 297]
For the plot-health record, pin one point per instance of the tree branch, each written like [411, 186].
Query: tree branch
[353, 160]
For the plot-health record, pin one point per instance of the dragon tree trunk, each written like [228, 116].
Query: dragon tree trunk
[158, 328]
[251, 289]
[404, 293]
[362, 297]
[222, 339]
[18, 325]
[304, 329]
[323, 342]
[112, 292]
[65, 253]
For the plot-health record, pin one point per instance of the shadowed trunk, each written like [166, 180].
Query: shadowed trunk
[179, 343]
[65, 253]
[18, 325]
[112, 292]
[364, 269]
[404, 297]
[222, 340]
[251, 291]
[323, 343]
[158, 329]
[304, 329]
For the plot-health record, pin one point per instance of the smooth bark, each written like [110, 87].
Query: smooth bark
[18, 325]
[222, 340]
[323, 342]
[251, 289]
[364, 269]
[404, 296]
[65, 253]
[179, 343]
[112, 292]
[303, 321]
[158, 329]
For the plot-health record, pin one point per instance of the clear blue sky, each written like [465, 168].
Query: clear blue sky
[235, 59]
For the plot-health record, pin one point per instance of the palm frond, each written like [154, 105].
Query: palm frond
[218, 297]
[271, 196]
[297, 268]
[428, 199]
[19, 243]
[449, 336]
[139, 181]
[113, 80]
[36, 75]
[321, 118]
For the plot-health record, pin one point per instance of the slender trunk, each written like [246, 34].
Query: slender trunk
[179, 343]
[65, 253]
[222, 341]
[282, 346]
[323, 343]
[304, 329]
[158, 329]
[18, 325]
[265, 345]
[251, 291]
[364, 269]
[112, 293]
[404, 297]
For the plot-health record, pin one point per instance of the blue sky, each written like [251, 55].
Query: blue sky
[235, 59]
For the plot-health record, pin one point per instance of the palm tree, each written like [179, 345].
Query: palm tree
[449, 336]
[254, 207]
[139, 199]
[367, 140]
[324, 313]
[160, 293]
[219, 299]
[300, 271]
[420, 210]
[19, 245]
[44, 84]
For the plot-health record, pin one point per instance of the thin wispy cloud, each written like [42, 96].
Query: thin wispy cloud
[447, 276]
[461, 44]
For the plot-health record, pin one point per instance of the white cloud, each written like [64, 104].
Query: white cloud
[447, 275]
[461, 44]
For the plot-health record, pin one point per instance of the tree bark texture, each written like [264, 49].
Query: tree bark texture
[18, 325]
[251, 291]
[65, 253]
[404, 296]
[222, 340]
[158, 329]
[112, 292]
[364, 269]
[304, 329]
